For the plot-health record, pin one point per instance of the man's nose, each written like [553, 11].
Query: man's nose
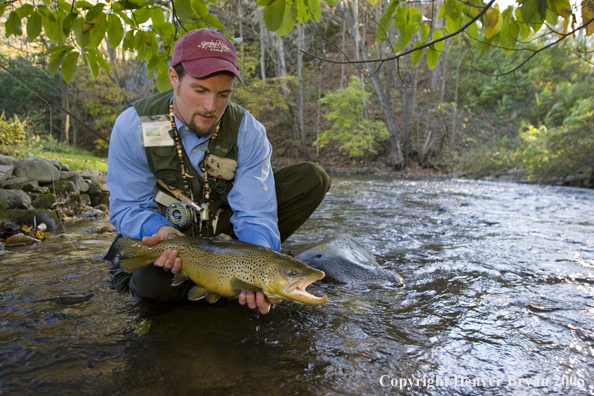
[210, 103]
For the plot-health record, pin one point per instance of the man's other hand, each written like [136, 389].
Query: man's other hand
[168, 260]
[257, 300]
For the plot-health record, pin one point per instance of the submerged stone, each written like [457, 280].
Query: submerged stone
[20, 239]
[345, 260]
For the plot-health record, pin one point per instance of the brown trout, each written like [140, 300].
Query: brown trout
[226, 267]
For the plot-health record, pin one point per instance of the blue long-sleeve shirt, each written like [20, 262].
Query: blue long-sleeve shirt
[132, 186]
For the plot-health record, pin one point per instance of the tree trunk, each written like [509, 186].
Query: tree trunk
[319, 114]
[282, 72]
[281, 66]
[300, 104]
[407, 98]
[342, 84]
[74, 123]
[263, 31]
[64, 136]
[240, 16]
[396, 159]
[438, 72]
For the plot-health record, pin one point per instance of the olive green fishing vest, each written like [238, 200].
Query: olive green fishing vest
[164, 161]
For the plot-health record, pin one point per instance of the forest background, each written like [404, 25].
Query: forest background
[494, 98]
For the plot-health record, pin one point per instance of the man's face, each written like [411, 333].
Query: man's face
[200, 102]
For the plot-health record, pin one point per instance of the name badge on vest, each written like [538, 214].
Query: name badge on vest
[154, 131]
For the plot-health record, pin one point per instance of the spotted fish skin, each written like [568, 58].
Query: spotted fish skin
[226, 267]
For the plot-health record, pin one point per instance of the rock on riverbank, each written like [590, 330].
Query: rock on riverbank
[35, 191]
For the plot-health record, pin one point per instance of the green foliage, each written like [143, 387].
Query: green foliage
[356, 134]
[553, 98]
[281, 16]
[11, 132]
[564, 150]
[263, 98]
[489, 157]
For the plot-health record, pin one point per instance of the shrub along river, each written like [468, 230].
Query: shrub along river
[498, 299]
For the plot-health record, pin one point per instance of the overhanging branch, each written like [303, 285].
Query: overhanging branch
[400, 55]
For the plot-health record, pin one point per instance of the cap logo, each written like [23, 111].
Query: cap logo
[218, 46]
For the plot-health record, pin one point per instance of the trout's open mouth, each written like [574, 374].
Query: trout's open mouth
[296, 290]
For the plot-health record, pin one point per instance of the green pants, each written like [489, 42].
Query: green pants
[300, 189]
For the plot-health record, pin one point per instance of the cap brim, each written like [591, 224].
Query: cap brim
[204, 67]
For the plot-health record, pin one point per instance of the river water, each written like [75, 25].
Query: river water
[499, 299]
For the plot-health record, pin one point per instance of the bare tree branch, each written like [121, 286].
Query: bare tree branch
[402, 54]
[536, 52]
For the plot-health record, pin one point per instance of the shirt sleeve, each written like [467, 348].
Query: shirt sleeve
[131, 184]
[253, 196]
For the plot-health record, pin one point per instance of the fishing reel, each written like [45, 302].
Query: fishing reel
[179, 215]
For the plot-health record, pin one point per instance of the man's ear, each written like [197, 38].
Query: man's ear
[173, 77]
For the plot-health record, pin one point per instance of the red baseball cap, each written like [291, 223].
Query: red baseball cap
[203, 52]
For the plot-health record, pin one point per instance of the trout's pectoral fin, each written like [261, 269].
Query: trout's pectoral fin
[212, 298]
[197, 292]
[240, 285]
[179, 278]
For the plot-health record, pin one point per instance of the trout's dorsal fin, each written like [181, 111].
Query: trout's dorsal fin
[179, 278]
[197, 292]
[212, 298]
[239, 285]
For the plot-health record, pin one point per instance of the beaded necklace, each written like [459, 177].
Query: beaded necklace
[205, 201]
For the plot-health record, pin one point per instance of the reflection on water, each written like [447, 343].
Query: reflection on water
[499, 287]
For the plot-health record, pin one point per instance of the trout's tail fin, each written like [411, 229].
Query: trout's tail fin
[136, 255]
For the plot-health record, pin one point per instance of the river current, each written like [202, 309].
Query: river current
[498, 299]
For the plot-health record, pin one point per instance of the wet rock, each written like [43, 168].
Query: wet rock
[15, 199]
[344, 260]
[37, 169]
[34, 217]
[93, 213]
[20, 239]
[8, 229]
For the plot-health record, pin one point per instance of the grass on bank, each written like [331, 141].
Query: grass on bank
[50, 148]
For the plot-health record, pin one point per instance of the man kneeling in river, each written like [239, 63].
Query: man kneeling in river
[192, 140]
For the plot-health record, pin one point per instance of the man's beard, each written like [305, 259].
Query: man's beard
[200, 132]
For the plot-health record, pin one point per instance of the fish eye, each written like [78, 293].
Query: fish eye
[291, 273]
